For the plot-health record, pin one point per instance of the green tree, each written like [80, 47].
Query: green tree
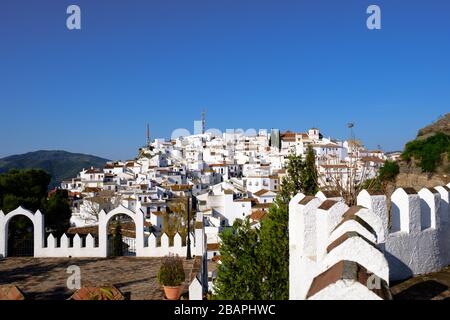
[385, 178]
[57, 212]
[309, 176]
[273, 249]
[117, 241]
[273, 253]
[255, 263]
[28, 188]
[389, 171]
[238, 276]
[292, 183]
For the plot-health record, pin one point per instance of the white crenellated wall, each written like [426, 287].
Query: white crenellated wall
[421, 245]
[144, 248]
[412, 239]
[65, 250]
[326, 220]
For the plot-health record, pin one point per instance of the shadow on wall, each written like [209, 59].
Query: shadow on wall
[397, 267]
[425, 216]
[422, 291]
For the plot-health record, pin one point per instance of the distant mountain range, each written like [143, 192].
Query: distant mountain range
[60, 164]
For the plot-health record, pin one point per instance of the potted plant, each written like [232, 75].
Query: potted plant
[171, 276]
[97, 293]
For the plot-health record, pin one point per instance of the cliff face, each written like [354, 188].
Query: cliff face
[412, 175]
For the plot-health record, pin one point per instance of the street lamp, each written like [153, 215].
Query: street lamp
[188, 244]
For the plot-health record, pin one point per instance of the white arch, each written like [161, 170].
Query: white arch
[138, 219]
[38, 229]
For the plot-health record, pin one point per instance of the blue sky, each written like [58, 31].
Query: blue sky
[251, 64]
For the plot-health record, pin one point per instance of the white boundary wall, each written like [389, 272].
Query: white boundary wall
[198, 239]
[412, 239]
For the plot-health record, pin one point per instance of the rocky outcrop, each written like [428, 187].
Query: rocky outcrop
[441, 125]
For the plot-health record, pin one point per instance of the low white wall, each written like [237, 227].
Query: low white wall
[198, 239]
[422, 243]
[412, 239]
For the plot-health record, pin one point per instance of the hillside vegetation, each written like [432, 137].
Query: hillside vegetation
[430, 153]
[425, 162]
[59, 164]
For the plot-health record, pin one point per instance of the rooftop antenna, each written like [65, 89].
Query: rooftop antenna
[351, 125]
[148, 135]
[203, 121]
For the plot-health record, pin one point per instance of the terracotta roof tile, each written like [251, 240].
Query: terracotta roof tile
[306, 200]
[327, 204]
[346, 270]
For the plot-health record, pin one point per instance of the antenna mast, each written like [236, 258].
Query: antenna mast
[203, 121]
[148, 135]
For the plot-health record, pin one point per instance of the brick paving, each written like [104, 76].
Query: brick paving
[433, 286]
[45, 278]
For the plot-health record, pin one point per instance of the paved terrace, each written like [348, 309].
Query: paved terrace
[45, 278]
[433, 286]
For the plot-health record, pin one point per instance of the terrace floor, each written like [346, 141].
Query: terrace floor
[46, 278]
[433, 286]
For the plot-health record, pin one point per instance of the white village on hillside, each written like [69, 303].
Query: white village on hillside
[338, 249]
[228, 177]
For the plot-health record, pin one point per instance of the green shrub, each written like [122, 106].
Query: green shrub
[428, 152]
[389, 171]
[171, 273]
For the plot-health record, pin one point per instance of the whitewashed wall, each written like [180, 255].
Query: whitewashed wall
[144, 248]
[412, 239]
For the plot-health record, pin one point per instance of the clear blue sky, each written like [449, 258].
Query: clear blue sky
[252, 64]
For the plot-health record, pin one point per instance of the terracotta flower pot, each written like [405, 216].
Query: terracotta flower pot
[172, 293]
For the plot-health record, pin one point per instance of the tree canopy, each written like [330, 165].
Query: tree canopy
[28, 188]
[255, 263]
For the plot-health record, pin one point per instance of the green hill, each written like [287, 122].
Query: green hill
[431, 149]
[60, 164]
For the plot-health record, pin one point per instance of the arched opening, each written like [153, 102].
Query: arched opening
[20, 239]
[121, 236]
